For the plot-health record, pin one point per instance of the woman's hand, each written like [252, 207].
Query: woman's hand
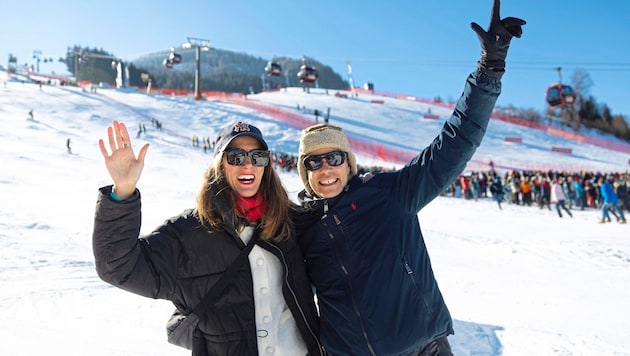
[122, 164]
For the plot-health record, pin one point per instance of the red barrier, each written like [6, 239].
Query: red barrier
[562, 150]
[595, 141]
[513, 139]
[431, 116]
[287, 116]
[403, 156]
[375, 101]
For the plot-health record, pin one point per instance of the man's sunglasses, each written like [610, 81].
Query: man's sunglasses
[333, 158]
[238, 156]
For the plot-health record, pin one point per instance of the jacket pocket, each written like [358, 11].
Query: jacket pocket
[417, 289]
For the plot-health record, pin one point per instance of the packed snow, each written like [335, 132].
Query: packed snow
[518, 281]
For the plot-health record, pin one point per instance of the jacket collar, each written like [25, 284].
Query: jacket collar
[319, 205]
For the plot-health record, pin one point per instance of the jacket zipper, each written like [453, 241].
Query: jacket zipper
[409, 271]
[354, 302]
[295, 298]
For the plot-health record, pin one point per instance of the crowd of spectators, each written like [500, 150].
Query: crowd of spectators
[578, 190]
[581, 190]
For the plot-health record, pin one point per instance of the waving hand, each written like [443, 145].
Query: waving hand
[122, 164]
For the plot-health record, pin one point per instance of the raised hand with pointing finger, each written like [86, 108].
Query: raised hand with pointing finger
[496, 40]
[122, 164]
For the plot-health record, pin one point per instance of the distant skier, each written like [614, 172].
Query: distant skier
[68, 146]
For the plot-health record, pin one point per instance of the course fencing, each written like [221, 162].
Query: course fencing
[397, 156]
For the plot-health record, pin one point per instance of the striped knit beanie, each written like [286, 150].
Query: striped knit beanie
[323, 136]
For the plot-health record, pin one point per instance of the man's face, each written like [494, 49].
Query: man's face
[328, 181]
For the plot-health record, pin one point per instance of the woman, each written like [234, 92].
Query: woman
[268, 307]
[558, 197]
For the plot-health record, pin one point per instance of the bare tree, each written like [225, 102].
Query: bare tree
[581, 82]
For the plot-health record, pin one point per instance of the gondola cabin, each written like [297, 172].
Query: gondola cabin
[273, 69]
[307, 74]
[175, 58]
[560, 95]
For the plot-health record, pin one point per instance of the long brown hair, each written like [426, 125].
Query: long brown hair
[275, 223]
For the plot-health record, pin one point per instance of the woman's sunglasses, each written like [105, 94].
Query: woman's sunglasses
[238, 156]
[333, 158]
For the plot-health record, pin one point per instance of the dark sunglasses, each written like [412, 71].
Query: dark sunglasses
[238, 156]
[333, 158]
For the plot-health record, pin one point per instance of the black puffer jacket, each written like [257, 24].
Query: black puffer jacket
[181, 260]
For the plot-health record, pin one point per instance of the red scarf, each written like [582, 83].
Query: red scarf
[252, 208]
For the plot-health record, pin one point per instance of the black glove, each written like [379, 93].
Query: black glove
[495, 42]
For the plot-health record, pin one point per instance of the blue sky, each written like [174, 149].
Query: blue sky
[420, 48]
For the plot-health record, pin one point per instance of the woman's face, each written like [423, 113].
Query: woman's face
[244, 179]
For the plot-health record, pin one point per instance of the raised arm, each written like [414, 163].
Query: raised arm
[446, 157]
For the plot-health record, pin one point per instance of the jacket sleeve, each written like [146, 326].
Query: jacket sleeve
[122, 258]
[440, 163]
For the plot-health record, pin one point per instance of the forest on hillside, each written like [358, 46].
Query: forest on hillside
[220, 70]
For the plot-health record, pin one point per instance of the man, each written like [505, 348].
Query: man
[610, 202]
[361, 238]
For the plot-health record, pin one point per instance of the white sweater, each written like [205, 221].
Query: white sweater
[276, 328]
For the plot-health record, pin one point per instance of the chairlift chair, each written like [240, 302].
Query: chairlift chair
[167, 63]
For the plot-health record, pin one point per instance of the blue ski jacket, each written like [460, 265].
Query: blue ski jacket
[364, 249]
[608, 193]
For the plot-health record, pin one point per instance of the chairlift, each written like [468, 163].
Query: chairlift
[560, 95]
[307, 74]
[273, 69]
[168, 63]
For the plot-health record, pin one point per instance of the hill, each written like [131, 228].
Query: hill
[229, 71]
